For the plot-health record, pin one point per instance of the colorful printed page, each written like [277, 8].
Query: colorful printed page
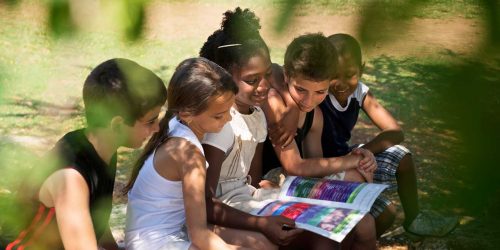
[334, 223]
[331, 193]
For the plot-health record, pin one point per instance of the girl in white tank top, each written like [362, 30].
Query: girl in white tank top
[166, 208]
[155, 211]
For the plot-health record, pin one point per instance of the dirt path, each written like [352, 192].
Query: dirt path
[187, 20]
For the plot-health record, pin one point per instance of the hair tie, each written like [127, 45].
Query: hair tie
[229, 45]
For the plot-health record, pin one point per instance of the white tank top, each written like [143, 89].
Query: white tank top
[155, 203]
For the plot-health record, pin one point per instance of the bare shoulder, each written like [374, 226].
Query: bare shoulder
[277, 80]
[275, 99]
[178, 150]
[273, 93]
[66, 182]
[174, 155]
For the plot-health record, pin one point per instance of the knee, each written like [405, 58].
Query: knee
[389, 213]
[354, 175]
[385, 220]
[262, 242]
[406, 164]
[365, 229]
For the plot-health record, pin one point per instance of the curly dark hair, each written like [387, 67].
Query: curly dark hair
[236, 41]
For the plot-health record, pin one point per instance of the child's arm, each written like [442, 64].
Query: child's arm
[256, 166]
[221, 214]
[283, 129]
[192, 172]
[391, 133]
[291, 160]
[312, 147]
[67, 191]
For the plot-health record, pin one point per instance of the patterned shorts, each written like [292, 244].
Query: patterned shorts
[387, 165]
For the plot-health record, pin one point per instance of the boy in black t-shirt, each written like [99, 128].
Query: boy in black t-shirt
[72, 203]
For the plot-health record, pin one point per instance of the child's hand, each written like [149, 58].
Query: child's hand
[282, 135]
[351, 161]
[368, 162]
[280, 230]
[268, 184]
[367, 175]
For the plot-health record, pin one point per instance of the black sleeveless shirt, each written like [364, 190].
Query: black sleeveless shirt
[269, 158]
[74, 151]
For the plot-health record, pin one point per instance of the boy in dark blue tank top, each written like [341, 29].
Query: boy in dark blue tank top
[71, 204]
[347, 96]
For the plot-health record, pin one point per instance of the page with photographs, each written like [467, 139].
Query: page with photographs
[330, 208]
[330, 222]
[331, 193]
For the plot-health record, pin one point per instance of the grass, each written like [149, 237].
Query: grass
[421, 9]
[447, 107]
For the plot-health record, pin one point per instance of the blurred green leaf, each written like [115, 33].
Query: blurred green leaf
[133, 16]
[380, 20]
[60, 21]
[492, 17]
[10, 3]
[286, 14]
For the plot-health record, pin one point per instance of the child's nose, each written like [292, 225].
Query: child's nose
[307, 100]
[228, 117]
[264, 84]
[156, 127]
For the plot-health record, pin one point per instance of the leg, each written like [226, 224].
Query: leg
[407, 188]
[353, 175]
[397, 162]
[311, 241]
[385, 219]
[364, 234]
[386, 216]
[243, 238]
[416, 221]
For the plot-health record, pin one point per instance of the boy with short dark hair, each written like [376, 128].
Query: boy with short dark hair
[347, 96]
[310, 66]
[73, 201]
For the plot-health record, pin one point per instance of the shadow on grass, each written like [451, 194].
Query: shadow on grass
[449, 112]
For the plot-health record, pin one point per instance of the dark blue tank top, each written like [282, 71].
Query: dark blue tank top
[337, 127]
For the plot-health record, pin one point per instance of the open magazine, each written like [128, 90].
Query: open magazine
[327, 207]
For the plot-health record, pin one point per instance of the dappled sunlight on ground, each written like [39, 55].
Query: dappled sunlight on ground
[425, 77]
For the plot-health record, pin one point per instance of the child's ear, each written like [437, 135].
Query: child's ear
[116, 123]
[285, 76]
[185, 117]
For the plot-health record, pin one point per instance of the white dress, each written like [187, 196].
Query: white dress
[239, 139]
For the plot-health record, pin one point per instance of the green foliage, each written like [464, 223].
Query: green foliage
[449, 106]
[132, 18]
[286, 14]
[10, 3]
[60, 21]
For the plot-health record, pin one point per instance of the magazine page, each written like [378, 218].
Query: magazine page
[331, 193]
[330, 222]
